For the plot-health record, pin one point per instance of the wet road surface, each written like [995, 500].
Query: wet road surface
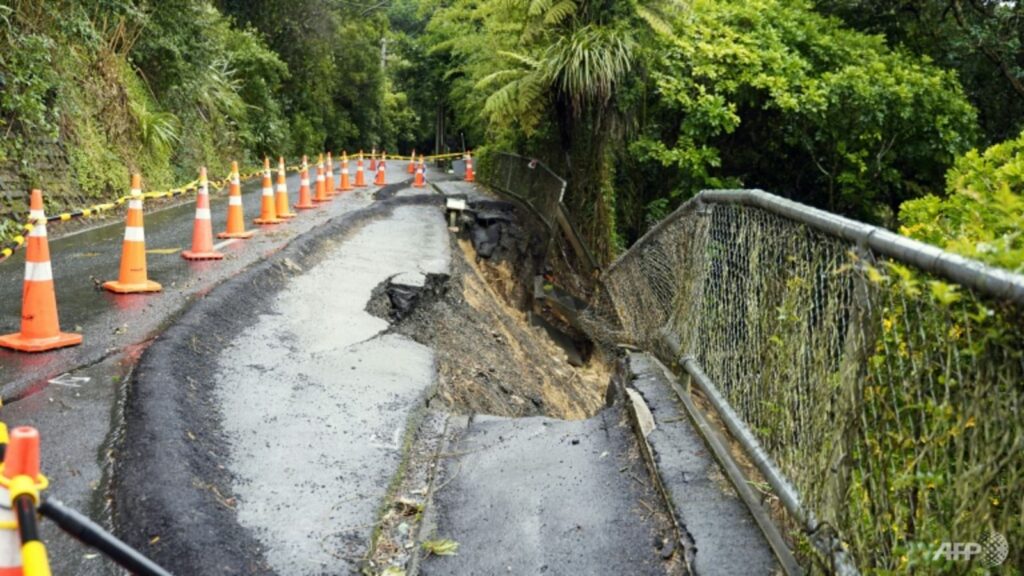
[314, 387]
[282, 455]
[73, 395]
[543, 496]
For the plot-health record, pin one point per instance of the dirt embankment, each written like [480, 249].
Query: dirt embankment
[491, 358]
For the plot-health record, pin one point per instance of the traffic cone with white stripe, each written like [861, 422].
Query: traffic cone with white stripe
[470, 175]
[346, 185]
[281, 193]
[360, 175]
[21, 551]
[382, 178]
[268, 210]
[420, 181]
[411, 169]
[133, 277]
[329, 177]
[305, 202]
[321, 186]
[202, 230]
[373, 159]
[236, 213]
[40, 328]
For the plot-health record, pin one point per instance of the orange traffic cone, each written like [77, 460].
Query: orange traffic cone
[236, 213]
[470, 175]
[382, 177]
[21, 479]
[329, 176]
[321, 186]
[360, 175]
[133, 277]
[373, 159]
[202, 230]
[281, 193]
[268, 210]
[420, 181]
[40, 329]
[411, 169]
[346, 185]
[320, 196]
[305, 202]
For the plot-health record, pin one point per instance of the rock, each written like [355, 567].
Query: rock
[668, 550]
[643, 413]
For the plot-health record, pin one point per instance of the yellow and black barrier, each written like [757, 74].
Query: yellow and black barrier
[21, 479]
[19, 240]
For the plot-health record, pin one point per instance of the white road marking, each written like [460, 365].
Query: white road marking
[70, 381]
[227, 242]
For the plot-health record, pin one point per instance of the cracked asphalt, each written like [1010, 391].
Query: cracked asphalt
[74, 396]
[257, 418]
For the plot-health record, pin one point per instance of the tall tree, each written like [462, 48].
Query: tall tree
[982, 40]
[558, 71]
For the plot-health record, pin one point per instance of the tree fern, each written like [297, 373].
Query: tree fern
[557, 14]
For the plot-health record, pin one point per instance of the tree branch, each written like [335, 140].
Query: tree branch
[1004, 67]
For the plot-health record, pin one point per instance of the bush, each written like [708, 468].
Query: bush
[983, 213]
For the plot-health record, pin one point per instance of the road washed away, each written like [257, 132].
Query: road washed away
[262, 428]
[283, 425]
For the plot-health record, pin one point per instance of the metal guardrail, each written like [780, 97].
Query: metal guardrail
[859, 383]
[994, 282]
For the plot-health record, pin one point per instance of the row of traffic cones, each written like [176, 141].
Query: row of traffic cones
[40, 326]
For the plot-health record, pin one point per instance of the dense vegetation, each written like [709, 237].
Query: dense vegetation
[93, 89]
[853, 105]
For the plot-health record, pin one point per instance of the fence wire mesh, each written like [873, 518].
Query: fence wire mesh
[890, 399]
[535, 185]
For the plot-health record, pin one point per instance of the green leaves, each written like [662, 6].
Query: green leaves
[442, 547]
[983, 215]
[800, 105]
[158, 130]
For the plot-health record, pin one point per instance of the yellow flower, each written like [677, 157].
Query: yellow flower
[887, 325]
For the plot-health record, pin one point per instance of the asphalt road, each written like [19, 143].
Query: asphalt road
[318, 386]
[542, 496]
[263, 415]
[74, 396]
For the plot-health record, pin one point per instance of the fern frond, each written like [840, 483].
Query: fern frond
[538, 8]
[655, 20]
[559, 12]
[523, 59]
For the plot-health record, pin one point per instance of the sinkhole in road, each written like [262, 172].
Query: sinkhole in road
[492, 355]
[288, 379]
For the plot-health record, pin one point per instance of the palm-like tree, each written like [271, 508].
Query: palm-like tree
[572, 58]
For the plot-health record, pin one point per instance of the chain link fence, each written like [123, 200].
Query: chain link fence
[887, 397]
[541, 190]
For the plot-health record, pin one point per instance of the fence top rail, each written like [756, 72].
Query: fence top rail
[990, 281]
[538, 164]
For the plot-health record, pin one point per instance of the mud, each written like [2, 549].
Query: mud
[491, 360]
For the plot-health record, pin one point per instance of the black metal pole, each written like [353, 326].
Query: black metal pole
[91, 534]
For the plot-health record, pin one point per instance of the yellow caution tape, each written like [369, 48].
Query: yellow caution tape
[19, 239]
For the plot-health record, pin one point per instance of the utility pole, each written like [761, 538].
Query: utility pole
[383, 53]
